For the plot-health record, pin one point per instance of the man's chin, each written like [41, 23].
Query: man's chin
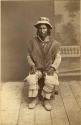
[43, 35]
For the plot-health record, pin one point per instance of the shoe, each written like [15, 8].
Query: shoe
[32, 104]
[47, 105]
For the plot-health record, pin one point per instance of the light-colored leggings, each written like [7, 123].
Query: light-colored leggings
[49, 83]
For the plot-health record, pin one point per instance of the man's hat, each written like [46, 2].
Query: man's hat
[43, 20]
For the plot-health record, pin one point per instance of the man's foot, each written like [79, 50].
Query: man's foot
[47, 105]
[32, 104]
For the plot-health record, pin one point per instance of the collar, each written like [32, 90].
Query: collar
[46, 40]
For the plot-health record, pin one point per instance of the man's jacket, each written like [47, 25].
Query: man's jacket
[43, 54]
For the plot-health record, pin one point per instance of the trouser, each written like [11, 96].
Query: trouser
[50, 81]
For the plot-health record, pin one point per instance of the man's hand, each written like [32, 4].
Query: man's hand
[51, 71]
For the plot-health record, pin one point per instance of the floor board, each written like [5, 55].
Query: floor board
[10, 102]
[76, 89]
[58, 114]
[26, 116]
[66, 106]
[71, 106]
[42, 117]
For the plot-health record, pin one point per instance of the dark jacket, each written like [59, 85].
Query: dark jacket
[43, 53]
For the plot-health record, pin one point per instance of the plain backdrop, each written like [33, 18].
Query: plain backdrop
[17, 20]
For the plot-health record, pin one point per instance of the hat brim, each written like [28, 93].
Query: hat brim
[43, 22]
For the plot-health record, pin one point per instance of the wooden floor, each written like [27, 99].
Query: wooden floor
[14, 110]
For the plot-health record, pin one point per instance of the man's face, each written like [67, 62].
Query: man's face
[42, 30]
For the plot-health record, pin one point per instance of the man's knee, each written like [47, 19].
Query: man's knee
[49, 87]
[33, 78]
[32, 82]
[52, 79]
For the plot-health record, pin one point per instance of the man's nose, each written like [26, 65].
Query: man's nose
[42, 30]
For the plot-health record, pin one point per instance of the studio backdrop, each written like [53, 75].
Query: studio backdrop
[17, 28]
[17, 20]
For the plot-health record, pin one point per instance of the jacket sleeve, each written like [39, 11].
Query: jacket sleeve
[30, 61]
[57, 61]
[57, 54]
[29, 51]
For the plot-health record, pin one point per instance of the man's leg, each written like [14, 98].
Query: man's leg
[32, 81]
[48, 89]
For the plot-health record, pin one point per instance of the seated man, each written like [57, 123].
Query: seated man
[44, 58]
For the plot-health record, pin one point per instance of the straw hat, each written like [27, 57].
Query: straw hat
[43, 20]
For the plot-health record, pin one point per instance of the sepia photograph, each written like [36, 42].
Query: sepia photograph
[40, 64]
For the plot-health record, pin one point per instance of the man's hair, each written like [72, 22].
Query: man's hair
[48, 29]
